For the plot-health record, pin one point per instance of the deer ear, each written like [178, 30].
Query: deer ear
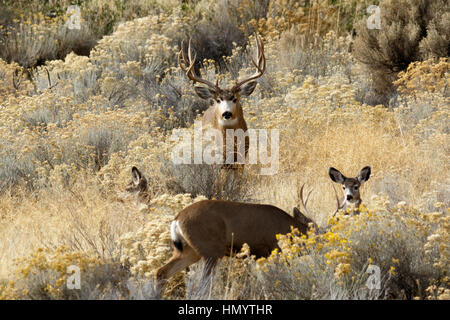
[335, 175]
[364, 174]
[204, 92]
[135, 175]
[248, 88]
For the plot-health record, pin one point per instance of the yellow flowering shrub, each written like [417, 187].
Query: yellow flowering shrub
[425, 76]
[150, 246]
[44, 275]
[399, 240]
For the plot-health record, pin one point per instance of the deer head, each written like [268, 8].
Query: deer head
[350, 186]
[226, 102]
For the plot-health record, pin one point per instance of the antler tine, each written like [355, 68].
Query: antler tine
[260, 66]
[191, 71]
[189, 62]
[180, 54]
[338, 207]
[16, 79]
[304, 203]
[260, 56]
[190, 58]
[307, 197]
[50, 86]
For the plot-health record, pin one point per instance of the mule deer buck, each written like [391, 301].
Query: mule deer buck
[210, 229]
[351, 188]
[226, 111]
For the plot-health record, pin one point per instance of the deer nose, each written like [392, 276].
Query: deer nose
[349, 197]
[227, 115]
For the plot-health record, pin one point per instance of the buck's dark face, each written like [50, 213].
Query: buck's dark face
[350, 185]
[302, 222]
[226, 102]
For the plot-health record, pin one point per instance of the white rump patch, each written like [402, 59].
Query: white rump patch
[175, 232]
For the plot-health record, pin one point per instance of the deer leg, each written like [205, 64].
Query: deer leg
[208, 268]
[178, 262]
[209, 264]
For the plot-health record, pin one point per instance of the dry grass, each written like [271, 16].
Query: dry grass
[67, 146]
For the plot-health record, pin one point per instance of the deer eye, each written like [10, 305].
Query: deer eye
[218, 100]
[356, 187]
[343, 187]
[234, 99]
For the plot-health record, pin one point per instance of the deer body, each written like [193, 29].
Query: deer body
[231, 224]
[210, 229]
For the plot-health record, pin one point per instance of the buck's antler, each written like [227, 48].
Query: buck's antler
[187, 65]
[260, 66]
[16, 80]
[50, 86]
[338, 205]
[304, 203]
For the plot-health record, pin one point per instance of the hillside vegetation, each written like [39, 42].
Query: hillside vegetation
[80, 107]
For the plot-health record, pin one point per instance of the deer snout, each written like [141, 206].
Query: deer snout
[227, 115]
[349, 197]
